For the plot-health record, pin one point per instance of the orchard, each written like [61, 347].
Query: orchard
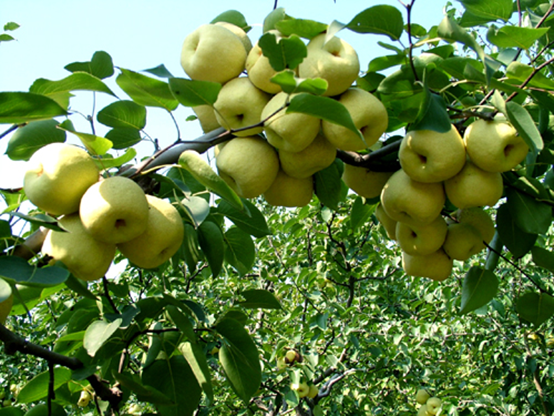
[344, 238]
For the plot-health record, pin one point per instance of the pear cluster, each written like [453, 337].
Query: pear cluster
[98, 215]
[430, 406]
[436, 167]
[276, 154]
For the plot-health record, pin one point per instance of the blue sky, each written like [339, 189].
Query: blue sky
[141, 34]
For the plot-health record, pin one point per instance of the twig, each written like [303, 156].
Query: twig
[12, 128]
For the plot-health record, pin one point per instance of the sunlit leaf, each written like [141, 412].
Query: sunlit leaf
[124, 113]
[28, 139]
[22, 107]
[191, 93]
[382, 20]
[98, 333]
[146, 91]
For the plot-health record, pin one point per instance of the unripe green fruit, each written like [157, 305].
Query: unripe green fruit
[422, 396]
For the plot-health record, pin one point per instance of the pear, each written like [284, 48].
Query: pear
[462, 241]
[421, 240]
[287, 191]
[422, 396]
[57, 177]
[428, 156]
[85, 257]
[304, 164]
[162, 238]
[387, 222]
[213, 53]
[433, 405]
[494, 146]
[365, 182]
[5, 309]
[260, 70]
[479, 219]
[206, 117]
[436, 266]
[114, 210]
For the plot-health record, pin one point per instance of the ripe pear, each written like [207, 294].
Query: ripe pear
[162, 238]
[5, 309]
[314, 391]
[474, 187]
[304, 164]
[412, 202]
[420, 241]
[494, 146]
[335, 61]
[206, 117]
[243, 36]
[85, 257]
[239, 105]
[301, 388]
[290, 356]
[114, 210]
[292, 132]
[249, 165]
[479, 219]
[57, 177]
[422, 396]
[260, 70]
[369, 116]
[422, 411]
[436, 266]
[462, 241]
[387, 222]
[428, 156]
[365, 182]
[433, 405]
[286, 191]
[213, 53]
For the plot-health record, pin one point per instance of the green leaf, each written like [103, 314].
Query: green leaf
[123, 114]
[146, 91]
[123, 137]
[98, 333]
[190, 247]
[28, 139]
[283, 53]
[17, 270]
[111, 162]
[432, 114]
[78, 81]
[525, 126]
[239, 358]
[360, 213]
[514, 36]
[175, 378]
[304, 28]
[449, 30]
[290, 84]
[239, 250]
[381, 20]
[95, 144]
[197, 209]
[10, 26]
[532, 216]
[328, 185]
[234, 17]
[203, 173]
[182, 322]
[535, 307]
[385, 62]
[543, 258]
[16, 411]
[479, 288]
[191, 93]
[489, 9]
[521, 72]
[100, 66]
[271, 20]
[197, 361]
[250, 219]
[325, 108]
[514, 238]
[212, 244]
[37, 388]
[160, 71]
[22, 107]
[4, 37]
[259, 299]
[143, 392]
[41, 220]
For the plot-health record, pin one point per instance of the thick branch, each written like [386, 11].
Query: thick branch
[374, 160]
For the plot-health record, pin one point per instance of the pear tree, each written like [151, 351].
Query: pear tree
[346, 237]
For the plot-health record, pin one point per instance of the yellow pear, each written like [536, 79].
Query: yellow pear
[462, 241]
[420, 241]
[287, 191]
[292, 132]
[428, 156]
[412, 202]
[433, 405]
[422, 396]
[239, 105]
[478, 218]
[369, 116]
[162, 238]
[5, 309]
[314, 391]
[206, 117]
[85, 257]
[213, 53]
[249, 165]
[474, 187]
[365, 182]
[317, 156]
[260, 70]
[301, 388]
[422, 411]
[242, 35]
[436, 266]
[114, 210]
[335, 61]
[494, 146]
[387, 222]
[57, 177]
